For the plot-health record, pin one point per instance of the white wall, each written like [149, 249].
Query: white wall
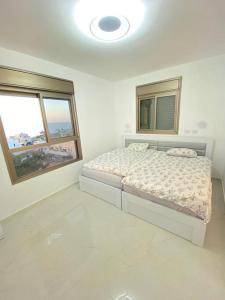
[104, 109]
[223, 182]
[202, 99]
[94, 100]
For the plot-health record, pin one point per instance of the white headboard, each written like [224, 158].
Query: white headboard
[203, 146]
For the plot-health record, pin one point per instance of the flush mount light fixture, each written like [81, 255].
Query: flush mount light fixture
[109, 20]
[109, 28]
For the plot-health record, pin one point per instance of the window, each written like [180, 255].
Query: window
[58, 117]
[21, 119]
[158, 107]
[38, 128]
[37, 159]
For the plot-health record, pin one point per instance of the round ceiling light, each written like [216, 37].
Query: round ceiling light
[109, 23]
[109, 28]
[109, 20]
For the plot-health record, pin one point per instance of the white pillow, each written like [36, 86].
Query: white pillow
[182, 152]
[138, 147]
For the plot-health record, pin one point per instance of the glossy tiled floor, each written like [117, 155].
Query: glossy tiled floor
[73, 246]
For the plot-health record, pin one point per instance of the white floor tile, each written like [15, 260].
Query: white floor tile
[74, 246]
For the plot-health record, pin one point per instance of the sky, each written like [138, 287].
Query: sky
[23, 114]
[57, 111]
[20, 114]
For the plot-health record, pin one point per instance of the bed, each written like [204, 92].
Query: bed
[102, 177]
[173, 193]
[109, 177]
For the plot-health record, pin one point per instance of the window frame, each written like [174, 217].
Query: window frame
[40, 94]
[155, 95]
[57, 97]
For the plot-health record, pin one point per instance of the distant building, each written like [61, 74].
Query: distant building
[19, 140]
[12, 143]
[24, 139]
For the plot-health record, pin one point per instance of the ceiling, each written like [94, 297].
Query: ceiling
[173, 32]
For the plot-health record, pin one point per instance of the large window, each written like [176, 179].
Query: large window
[158, 107]
[38, 129]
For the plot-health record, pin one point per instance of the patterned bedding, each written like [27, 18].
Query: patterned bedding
[120, 161]
[184, 181]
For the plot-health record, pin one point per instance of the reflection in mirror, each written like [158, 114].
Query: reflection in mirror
[58, 117]
[21, 120]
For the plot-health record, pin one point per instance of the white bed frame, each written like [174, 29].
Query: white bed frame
[183, 225]
[101, 190]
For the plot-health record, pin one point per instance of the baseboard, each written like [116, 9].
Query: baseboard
[36, 202]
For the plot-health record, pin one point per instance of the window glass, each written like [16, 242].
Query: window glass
[58, 117]
[158, 106]
[165, 112]
[38, 129]
[147, 114]
[40, 158]
[22, 120]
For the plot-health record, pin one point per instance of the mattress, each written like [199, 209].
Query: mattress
[180, 183]
[107, 178]
[164, 202]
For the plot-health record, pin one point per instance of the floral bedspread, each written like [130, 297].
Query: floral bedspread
[119, 162]
[185, 181]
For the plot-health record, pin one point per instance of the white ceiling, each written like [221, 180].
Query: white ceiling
[173, 32]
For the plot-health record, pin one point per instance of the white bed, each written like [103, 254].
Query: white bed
[181, 183]
[188, 223]
[102, 177]
[185, 225]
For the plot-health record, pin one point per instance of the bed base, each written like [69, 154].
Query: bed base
[101, 190]
[185, 226]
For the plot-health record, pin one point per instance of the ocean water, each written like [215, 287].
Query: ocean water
[54, 127]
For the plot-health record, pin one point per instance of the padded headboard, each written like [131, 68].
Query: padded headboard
[203, 146]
